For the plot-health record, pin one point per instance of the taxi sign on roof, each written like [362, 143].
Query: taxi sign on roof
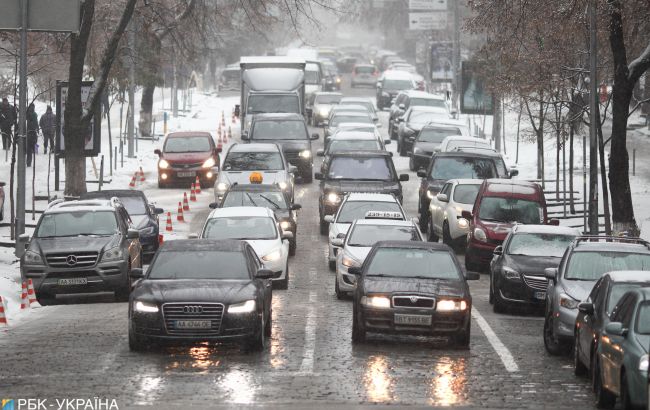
[256, 178]
[384, 215]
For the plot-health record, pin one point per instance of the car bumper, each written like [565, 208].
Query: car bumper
[171, 175]
[564, 323]
[520, 293]
[346, 281]
[383, 321]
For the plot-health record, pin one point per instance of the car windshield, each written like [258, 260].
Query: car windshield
[409, 263]
[352, 210]
[364, 70]
[617, 291]
[397, 84]
[205, 265]
[643, 319]
[538, 244]
[267, 199]
[253, 161]
[424, 117]
[368, 235]
[134, 205]
[428, 102]
[188, 144]
[437, 134]
[353, 145]
[312, 77]
[339, 119]
[76, 223]
[361, 168]
[327, 99]
[366, 104]
[498, 209]
[259, 104]
[466, 193]
[360, 128]
[459, 167]
[452, 145]
[591, 265]
[243, 228]
[279, 130]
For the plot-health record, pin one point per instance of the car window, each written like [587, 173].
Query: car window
[100, 223]
[253, 161]
[312, 77]
[339, 119]
[446, 189]
[466, 193]
[538, 244]
[428, 102]
[187, 144]
[328, 99]
[242, 228]
[643, 319]
[619, 310]
[361, 168]
[617, 291]
[408, 262]
[135, 205]
[279, 130]
[453, 144]
[353, 145]
[591, 265]
[352, 210]
[259, 104]
[424, 117]
[205, 265]
[437, 134]
[267, 199]
[394, 84]
[498, 209]
[364, 70]
[595, 296]
[368, 235]
[462, 167]
[627, 312]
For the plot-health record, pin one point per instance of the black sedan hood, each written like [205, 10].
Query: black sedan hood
[434, 287]
[531, 265]
[344, 187]
[293, 145]
[194, 290]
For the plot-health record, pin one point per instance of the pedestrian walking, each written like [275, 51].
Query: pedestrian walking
[48, 127]
[32, 133]
[8, 118]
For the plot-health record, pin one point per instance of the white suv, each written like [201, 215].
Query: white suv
[446, 208]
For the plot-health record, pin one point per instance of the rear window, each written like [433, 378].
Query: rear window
[463, 168]
[466, 193]
[499, 209]
[188, 144]
[428, 102]
[397, 84]
[368, 235]
[364, 70]
[230, 75]
[353, 145]
[437, 134]
[408, 262]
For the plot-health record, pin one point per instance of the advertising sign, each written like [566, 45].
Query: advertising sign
[475, 99]
[441, 61]
[435, 20]
[430, 5]
[93, 134]
[43, 15]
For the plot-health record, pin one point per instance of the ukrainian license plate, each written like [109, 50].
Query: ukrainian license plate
[186, 174]
[540, 295]
[193, 324]
[417, 320]
[73, 281]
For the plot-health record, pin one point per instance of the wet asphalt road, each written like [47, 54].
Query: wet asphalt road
[81, 350]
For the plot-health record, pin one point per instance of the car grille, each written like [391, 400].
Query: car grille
[187, 166]
[413, 301]
[536, 282]
[176, 311]
[72, 260]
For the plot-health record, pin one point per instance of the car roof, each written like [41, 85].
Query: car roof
[546, 229]
[351, 113]
[629, 276]
[357, 124]
[185, 134]
[278, 116]
[365, 196]
[342, 106]
[611, 247]
[354, 135]
[361, 154]
[392, 222]
[110, 193]
[255, 147]
[422, 94]
[398, 75]
[414, 245]
[364, 65]
[236, 211]
[254, 188]
[426, 108]
[445, 121]
[228, 245]
[508, 187]
[317, 93]
[82, 205]
[356, 99]
[462, 138]
[472, 154]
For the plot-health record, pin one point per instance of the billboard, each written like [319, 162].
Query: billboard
[441, 65]
[42, 15]
[428, 4]
[93, 134]
[434, 20]
[475, 99]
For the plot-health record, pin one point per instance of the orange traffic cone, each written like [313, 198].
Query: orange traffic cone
[3, 317]
[179, 216]
[141, 175]
[197, 185]
[31, 294]
[192, 193]
[186, 205]
[132, 183]
[169, 228]
[24, 302]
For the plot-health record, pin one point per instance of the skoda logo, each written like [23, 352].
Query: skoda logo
[71, 260]
[192, 310]
[414, 299]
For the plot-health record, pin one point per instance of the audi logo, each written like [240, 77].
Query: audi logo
[71, 260]
[192, 310]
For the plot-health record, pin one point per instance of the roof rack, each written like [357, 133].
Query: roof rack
[605, 238]
[468, 148]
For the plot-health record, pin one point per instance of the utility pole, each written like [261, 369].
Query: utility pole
[131, 132]
[22, 131]
[456, 57]
[593, 121]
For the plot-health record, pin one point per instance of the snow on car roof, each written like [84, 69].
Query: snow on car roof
[255, 147]
[413, 244]
[392, 222]
[546, 229]
[465, 139]
[83, 205]
[629, 276]
[228, 245]
[365, 196]
[278, 116]
[466, 181]
[397, 75]
[237, 211]
[353, 135]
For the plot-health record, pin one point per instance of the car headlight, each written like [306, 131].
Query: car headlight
[451, 305]
[568, 302]
[511, 274]
[163, 164]
[273, 256]
[145, 307]
[33, 258]
[324, 112]
[333, 198]
[209, 163]
[305, 154]
[114, 254]
[338, 80]
[643, 363]
[222, 186]
[244, 307]
[463, 223]
[285, 225]
[480, 235]
[283, 185]
[147, 231]
[376, 301]
[417, 150]
[349, 262]
[429, 194]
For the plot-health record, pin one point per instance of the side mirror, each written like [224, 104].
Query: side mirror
[586, 308]
[214, 205]
[320, 153]
[378, 84]
[315, 136]
[158, 211]
[136, 273]
[157, 152]
[355, 270]
[193, 236]
[264, 274]
[472, 275]
[616, 329]
[554, 222]
[422, 173]
[24, 238]
[467, 215]
[292, 169]
[329, 218]
[219, 150]
[550, 273]
[132, 234]
[287, 235]
[337, 242]
[498, 250]
[295, 207]
[3, 184]
[442, 197]
[318, 176]
[244, 136]
[404, 177]
[402, 106]
[400, 119]
[513, 173]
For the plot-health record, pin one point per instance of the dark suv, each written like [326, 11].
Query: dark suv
[289, 131]
[356, 171]
[82, 247]
[456, 165]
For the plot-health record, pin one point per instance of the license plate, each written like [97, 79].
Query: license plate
[193, 324]
[417, 320]
[73, 281]
[186, 174]
[540, 295]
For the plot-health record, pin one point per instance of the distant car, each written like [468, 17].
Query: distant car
[338, 118]
[622, 356]
[355, 206]
[244, 162]
[517, 269]
[446, 221]
[258, 226]
[390, 84]
[346, 63]
[412, 288]
[144, 216]
[322, 105]
[413, 120]
[333, 79]
[185, 156]
[268, 196]
[454, 141]
[358, 127]
[362, 235]
[586, 260]
[364, 75]
[430, 139]
[225, 296]
[412, 98]
[365, 102]
[349, 141]
[230, 79]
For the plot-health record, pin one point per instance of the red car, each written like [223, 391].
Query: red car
[499, 205]
[186, 155]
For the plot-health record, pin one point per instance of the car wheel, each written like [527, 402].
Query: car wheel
[358, 330]
[324, 227]
[332, 265]
[604, 399]
[461, 339]
[579, 369]
[337, 290]
[402, 149]
[431, 235]
[258, 341]
[491, 292]
[553, 346]
[292, 247]
[411, 164]
[424, 221]
[446, 235]
[268, 327]
[284, 283]
[499, 304]
[626, 402]
[122, 295]
[2, 214]
[136, 343]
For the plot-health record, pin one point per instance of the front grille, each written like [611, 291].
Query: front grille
[176, 311]
[72, 260]
[418, 302]
[536, 282]
[186, 166]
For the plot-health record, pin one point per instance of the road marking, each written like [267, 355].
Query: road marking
[497, 345]
[307, 365]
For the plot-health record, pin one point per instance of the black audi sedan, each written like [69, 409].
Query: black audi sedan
[201, 290]
[413, 288]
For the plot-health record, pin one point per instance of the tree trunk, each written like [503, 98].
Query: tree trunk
[146, 110]
[540, 143]
[496, 124]
[603, 173]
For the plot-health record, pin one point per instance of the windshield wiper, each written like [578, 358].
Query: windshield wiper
[268, 200]
[250, 198]
[381, 275]
[492, 220]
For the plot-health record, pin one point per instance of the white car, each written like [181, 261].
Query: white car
[362, 235]
[358, 206]
[340, 117]
[446, 208]
[453, 142]
[365, 102]
[361, 127]
[260, 228]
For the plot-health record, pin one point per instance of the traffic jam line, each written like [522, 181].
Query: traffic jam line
[498, 346]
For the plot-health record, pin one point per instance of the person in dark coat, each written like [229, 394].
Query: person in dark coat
[32, 133]
[48, 128]
[8, 117]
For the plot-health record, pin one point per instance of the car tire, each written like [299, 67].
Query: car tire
[358, 330]
[553, 347]
[332, 265]
[284, 283]
[579, 369]
[268, 326]
[446, 236]
[136, 343]
[461, 339]
[2, 213]
[122, 295]
[431, 234]
[337, 290]
[402, 149]
[491, 291]
[324, 227]
[626, 402]
[604, 398]
[292, 247]
[424, 221]
[257, 342]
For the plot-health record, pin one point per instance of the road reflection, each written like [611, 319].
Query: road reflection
[277, 342]
[149, 387]
[201, 357]
[449, 383]
[240, 385]
[377, 381]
